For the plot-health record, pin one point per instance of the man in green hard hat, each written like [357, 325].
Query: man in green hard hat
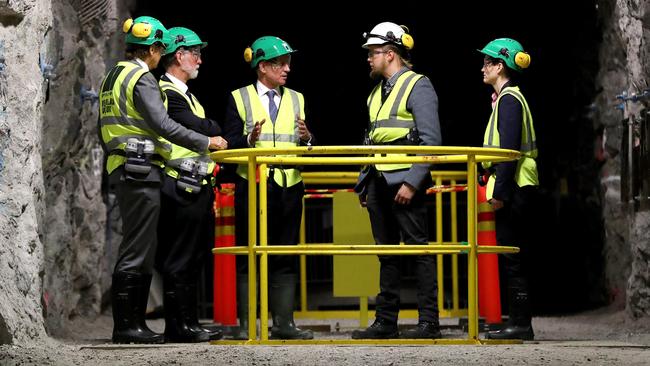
[266, 114]
[186, 227]
[135, 131]
[512, 186]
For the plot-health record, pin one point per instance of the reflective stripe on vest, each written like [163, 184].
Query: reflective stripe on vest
[391, 121]
[118, 118]
[526, 173]
[179, 153]
[282, 134]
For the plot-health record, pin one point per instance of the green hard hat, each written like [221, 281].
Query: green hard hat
[508, 50]
[146, 31]
[183, 37]
[266, 48]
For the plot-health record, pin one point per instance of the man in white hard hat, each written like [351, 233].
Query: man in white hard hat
[403, 110]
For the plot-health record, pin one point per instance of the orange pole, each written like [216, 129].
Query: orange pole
[489, 295]
[225, 290]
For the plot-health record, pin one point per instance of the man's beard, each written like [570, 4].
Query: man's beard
[193, 73]
[375, 75]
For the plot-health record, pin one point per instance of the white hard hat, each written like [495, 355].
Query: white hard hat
[388, 32]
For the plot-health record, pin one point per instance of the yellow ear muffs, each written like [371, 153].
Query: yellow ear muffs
[407, 41]
[248, 55]
[522, 59]
[126, 27]
[142, 30]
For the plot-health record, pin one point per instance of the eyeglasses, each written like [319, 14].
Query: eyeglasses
[372, 54]
[279, 65]
[195, 52]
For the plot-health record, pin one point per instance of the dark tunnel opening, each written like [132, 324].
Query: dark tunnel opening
[331, 70]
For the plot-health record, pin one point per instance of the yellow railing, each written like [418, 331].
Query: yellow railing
[350, 178]
[328, 155]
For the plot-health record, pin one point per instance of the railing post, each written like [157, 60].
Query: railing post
[252, 242]
[303, 261]
[472, 257]
[439, 262]
[264, 258]
[454, 257]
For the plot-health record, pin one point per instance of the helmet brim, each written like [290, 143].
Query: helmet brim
[374, 41]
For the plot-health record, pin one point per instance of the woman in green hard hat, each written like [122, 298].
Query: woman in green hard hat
[136, 133]
[512, 186]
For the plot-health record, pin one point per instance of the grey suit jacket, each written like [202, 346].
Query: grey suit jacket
[423, 104]
[148, 102]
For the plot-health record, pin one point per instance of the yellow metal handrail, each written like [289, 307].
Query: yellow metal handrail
[350, 178]
[428, 154]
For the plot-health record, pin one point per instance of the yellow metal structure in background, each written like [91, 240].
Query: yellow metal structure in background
[348, 179]
[329, 155]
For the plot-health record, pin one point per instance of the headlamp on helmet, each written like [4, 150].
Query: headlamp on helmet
[388, 32]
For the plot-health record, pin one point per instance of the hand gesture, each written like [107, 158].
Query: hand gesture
[218, 143]
[303, 131]
[255, 134]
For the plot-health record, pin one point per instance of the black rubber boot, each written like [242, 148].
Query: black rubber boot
[129, 325]
[181, 320]
[282, 295]
[519, 324]
[241, 333]
[424, 330]
[190, 289]
[380, 329]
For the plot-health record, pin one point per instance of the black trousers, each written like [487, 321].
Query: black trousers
[185, 231]
[514, 223]
[139, 204]
[392, 222]
[284, 213]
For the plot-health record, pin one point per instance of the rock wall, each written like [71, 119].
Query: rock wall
[23, 26]
[53, 55]
[624, 67]
[83, 42]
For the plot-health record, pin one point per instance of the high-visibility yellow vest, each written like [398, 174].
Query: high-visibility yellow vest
[282, 134]
[179, 153]
[118, 118]
[390, 121]
[526, 174]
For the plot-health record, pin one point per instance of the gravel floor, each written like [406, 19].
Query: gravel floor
[595, 338]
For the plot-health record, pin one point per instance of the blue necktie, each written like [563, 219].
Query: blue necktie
[273, 109]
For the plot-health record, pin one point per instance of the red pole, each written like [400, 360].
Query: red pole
[225, 291]
[489, 295]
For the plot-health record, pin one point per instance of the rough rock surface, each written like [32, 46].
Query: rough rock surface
[24, 24]
[52, 218]
[624, 65]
